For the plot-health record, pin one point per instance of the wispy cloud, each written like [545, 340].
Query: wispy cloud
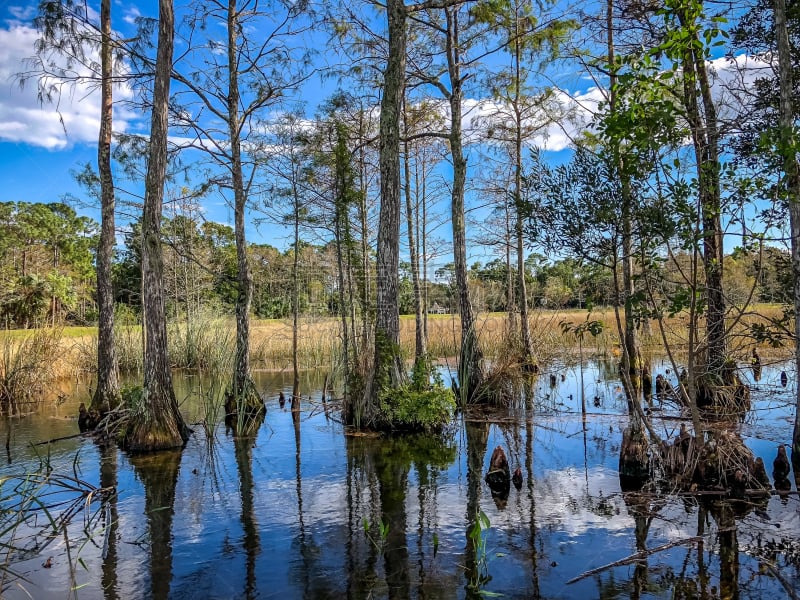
[73, 119]
[131, 14]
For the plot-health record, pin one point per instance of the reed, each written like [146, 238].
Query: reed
[36, 510]
[205, 342]
[28, 367]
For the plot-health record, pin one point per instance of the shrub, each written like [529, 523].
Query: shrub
[424, 404]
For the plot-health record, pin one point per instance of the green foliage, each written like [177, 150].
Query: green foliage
[593, 327]
[45, 263]
[378, 541]
[409, 410]
[477, 538]
[132, 398]
[424, 404]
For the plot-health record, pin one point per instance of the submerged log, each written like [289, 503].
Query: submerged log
[637, 557]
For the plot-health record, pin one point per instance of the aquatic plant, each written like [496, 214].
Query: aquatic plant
[479, 574]
[378, 541]
[36, 509]
[27, 368]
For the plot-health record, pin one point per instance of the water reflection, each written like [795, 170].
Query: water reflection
[476, 434]
[108, 480]
[282, 511]
[244, 438]
[158, 473]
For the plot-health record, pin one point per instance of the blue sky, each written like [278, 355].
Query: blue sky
[38, 152]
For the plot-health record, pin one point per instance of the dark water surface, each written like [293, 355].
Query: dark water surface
[304, 511]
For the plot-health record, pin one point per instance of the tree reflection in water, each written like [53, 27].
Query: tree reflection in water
[108, 479]
[244, 439]
[158, 473]
[378, 486]
[477, 436]
[285, 515]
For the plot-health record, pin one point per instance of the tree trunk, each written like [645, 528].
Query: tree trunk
[296, 306]
[107, 393]
[424, 252]
[511, 308]
[471, 358]
[388, 370]
[792, 175]
[631, 354]
[242, 396]
[157, 423]
[363, 215]
[342, 302]
[419, 333]
[522, 292]
[702, 117]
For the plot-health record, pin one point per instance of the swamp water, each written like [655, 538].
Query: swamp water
[304, 511]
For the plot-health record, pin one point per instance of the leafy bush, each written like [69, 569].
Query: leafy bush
[407, 409]
[424, 404]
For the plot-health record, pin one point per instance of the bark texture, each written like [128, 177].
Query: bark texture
[242, 397]
[471, 358]
[388, 370]
[701, 113]
[107, 393]
[156, 423]
[792, 174]
[420, 349]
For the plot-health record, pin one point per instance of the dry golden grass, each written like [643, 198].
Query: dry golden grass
[320, 339]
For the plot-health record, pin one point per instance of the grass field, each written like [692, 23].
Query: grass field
[208, 342]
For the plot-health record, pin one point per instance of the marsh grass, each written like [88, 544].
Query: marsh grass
[206, 343]
[319, 343]
[28, 367]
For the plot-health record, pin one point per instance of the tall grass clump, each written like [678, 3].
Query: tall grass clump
[129, 343]
[204, 342]
[27, 368]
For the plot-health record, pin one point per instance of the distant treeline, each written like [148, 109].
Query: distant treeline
[47, 273]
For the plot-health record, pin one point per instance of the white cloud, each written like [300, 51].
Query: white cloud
[22, 13]
[732, 85]
[74, 120]
[131, 14]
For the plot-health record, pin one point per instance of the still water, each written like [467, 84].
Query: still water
[304, 511]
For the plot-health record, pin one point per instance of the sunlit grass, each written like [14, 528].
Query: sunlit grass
[208, 341]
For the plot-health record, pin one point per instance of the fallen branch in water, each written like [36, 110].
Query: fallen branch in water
[61, 439]
[635, 557]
